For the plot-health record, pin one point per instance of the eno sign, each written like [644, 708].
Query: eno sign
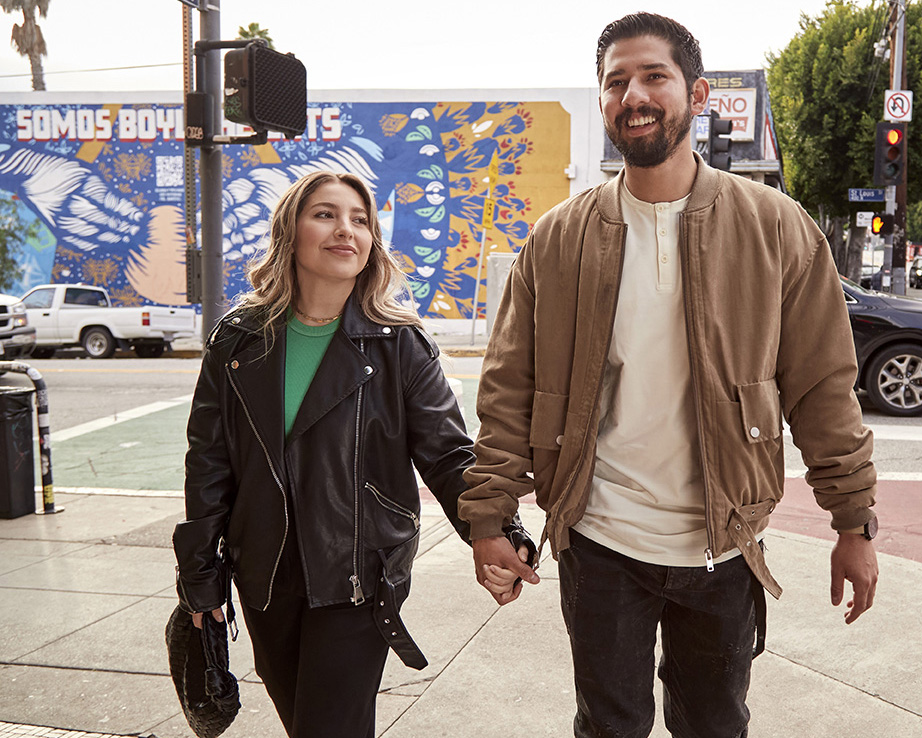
[737, 105]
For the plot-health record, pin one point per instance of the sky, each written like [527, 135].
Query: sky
[402, 44]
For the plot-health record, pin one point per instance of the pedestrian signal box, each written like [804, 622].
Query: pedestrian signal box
[265, 89]
[882, 224]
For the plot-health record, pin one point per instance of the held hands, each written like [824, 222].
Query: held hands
[854, 559]
[216, 614]
[498, 566]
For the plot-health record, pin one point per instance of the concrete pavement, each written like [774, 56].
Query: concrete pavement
[85, 595]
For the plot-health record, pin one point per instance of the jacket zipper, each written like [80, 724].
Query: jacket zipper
[708, 552]
[275, 476]
[358, 597]
[598, 389]
[394, 507]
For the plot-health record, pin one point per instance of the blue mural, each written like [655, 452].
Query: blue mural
[106, 182]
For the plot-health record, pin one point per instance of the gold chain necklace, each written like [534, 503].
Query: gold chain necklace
[317, 320]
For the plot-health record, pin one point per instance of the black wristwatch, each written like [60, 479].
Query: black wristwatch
[869, 531]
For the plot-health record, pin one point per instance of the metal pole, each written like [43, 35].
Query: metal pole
[898, 240]
[483, 241]
[211, 177]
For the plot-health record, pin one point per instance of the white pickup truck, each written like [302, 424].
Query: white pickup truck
[66, 315]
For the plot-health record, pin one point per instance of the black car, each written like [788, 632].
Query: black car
[915, 273]
[888, 342]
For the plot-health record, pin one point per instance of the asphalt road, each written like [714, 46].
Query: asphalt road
[83, 390]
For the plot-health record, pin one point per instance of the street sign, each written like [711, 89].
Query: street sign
[493, 170]
[898, 106]
[865, 195]
[863, 218]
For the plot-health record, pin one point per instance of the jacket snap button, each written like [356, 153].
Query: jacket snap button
[754, 432]
[386, 329]
[235, 364]
[368, 370]
[560, 440]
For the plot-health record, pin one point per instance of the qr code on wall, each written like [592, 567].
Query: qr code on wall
[169, 171]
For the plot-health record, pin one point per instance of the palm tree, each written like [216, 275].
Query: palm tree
[252, 31]
[27, 38]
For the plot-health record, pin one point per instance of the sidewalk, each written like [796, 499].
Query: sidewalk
[84, 597]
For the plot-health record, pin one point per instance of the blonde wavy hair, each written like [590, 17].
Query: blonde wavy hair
[273, 277]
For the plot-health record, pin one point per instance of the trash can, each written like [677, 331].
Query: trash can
[17, 466]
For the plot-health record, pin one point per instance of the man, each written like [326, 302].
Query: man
[651, 335]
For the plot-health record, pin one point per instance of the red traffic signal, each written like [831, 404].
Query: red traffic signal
[882, 224]
[890, 154]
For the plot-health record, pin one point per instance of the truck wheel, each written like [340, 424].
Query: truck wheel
[894, 380]
[98, 343]
[42, 352]
[149, 350]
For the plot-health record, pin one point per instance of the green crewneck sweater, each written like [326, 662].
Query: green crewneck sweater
[306, 345]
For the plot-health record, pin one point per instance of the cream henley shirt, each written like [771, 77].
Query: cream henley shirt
[647, 498]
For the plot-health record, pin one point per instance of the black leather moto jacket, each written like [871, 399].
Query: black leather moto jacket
[343, 482]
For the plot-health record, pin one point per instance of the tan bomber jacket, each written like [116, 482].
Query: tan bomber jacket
[768, 333]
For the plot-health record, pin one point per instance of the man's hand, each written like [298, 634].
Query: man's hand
[498, 553]
[854, 559]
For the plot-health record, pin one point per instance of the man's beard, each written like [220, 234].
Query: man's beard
[654, 149]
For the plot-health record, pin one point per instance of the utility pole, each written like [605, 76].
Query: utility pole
[211, 174]
[895, 248]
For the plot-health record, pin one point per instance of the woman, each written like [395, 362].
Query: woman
[317, 395]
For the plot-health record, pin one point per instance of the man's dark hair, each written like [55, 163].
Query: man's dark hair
[685, 49]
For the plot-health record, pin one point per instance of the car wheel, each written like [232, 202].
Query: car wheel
[149, 350]
[42, 352]
[894, 380]
[98, 343]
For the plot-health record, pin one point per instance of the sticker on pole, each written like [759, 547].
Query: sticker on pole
[898, 105]
[489, 205]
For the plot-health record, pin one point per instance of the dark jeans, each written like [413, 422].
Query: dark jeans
[321, 666]
[612, 606]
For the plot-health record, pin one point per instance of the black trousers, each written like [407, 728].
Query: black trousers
[322, 667]
[612, 606]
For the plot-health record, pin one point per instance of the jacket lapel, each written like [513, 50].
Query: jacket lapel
[260, 380]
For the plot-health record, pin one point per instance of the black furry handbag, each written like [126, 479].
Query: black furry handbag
[199, 665]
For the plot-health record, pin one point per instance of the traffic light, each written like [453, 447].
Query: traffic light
[265, 90]
[890, 154]
[882, 224]
[718, 146]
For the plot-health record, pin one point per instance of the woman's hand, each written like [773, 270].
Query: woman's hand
[217, 614]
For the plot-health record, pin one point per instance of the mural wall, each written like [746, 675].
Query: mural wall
[106, 184]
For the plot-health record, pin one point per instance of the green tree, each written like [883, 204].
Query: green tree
[253, 31]
[914, 222]
[825, 113]
[27, 38]
[14, 234]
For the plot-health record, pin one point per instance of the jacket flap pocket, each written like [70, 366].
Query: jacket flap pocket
[548, 419]
[760, 410]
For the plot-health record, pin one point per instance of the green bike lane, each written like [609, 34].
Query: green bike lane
[146, 453]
